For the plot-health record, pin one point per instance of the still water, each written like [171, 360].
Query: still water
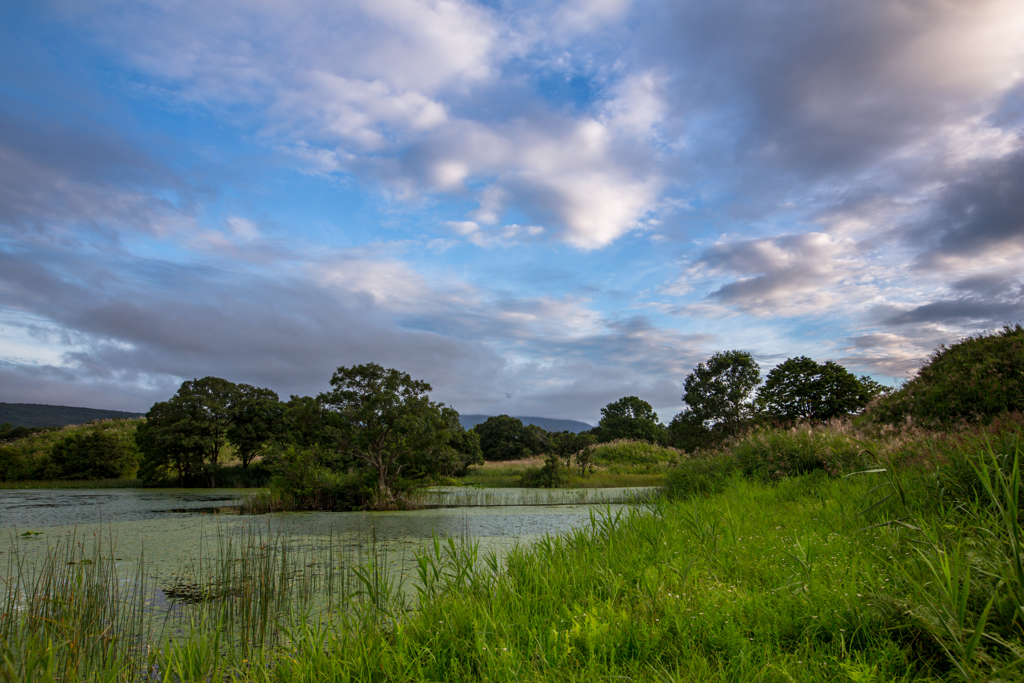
[173, 528]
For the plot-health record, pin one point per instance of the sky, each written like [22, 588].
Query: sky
[536, 207]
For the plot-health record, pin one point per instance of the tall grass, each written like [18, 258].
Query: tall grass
[72, 613]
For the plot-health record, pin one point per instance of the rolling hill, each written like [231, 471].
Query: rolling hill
[42, 415]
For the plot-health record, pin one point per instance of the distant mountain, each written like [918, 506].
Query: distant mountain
[548, 423]
[40, 415]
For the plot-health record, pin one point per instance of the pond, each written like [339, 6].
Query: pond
[175, 528]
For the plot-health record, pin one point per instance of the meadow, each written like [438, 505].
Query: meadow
[908, 568]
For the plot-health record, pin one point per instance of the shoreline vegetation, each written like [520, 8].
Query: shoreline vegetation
[906, 568]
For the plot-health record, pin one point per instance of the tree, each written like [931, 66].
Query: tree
[568, 444]
[255, 419]
[688, 432]
[390, 425]
[800, 388]
[629, 418]
[503, 437]
[717, 392]
[185, 434]
[466, 451]
[168, 450]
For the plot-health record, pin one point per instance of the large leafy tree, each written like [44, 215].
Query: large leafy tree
[256, 418]
[801, 388]
[629, 418]
[718, 392]
[185, 434]
[389, 425]
[503, 437]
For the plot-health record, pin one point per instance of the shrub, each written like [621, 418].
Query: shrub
[551, 475]
[626, 452]
[976, 379]
[701, 476]
[94, 454]
[776, 453]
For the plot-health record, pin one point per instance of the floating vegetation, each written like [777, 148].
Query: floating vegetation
[473, 497]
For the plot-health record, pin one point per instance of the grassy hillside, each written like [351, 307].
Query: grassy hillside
[41, 415]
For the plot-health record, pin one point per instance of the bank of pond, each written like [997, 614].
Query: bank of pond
[908, 569]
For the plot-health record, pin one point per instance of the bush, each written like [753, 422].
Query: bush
[94, 454]
[974, 380]
[626, 452]
[13, 466]
[551, 475]
[776, 453]
[701, 476]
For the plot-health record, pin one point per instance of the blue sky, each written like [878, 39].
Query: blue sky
[536, 207]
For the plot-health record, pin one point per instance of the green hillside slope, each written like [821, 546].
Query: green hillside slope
[41, 415]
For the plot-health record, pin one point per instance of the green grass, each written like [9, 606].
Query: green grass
[628, 452]
[879, 576]
[510, 474]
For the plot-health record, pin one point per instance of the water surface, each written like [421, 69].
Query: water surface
[173, 529]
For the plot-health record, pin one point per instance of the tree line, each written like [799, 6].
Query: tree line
[375, 423]
[379, 427]
[722, 397]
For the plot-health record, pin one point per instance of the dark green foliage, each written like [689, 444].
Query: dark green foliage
[701, 476]
[550, 475]
[94, 455]
[183, 437]
[255, 418]
[389, 426]
[630, 418]
[41, 415]
[306, 423]
[974, 380]
[31, 457]
[13, 465]
[568, 444]
[465, 451]
[776, 453]
[688, 432]
[800, 388]
[503, 437]
[536, 438]
[256, 475]
[718, 392]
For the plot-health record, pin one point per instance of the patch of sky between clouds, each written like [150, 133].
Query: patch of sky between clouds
[28, 340]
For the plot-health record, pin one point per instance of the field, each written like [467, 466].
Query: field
[908, 573]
